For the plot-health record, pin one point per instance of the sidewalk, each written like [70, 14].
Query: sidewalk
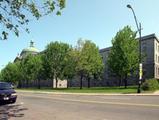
[156, 93]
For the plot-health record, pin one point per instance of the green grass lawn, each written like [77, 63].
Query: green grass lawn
[129, 89]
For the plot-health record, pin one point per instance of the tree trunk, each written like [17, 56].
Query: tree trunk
[81, 81]
[52, 82]
[56, 81]
[39, 86]
[120, 81]
[125, 81]
[89, 82]
[67, 83]
[19, 84]
[27, 83]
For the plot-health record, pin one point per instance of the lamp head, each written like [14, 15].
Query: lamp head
[129, 6]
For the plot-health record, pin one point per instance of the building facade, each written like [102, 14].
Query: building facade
[150, 52]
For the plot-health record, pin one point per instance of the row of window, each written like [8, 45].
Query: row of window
[157, 58]
[157, 47]
[157, 71]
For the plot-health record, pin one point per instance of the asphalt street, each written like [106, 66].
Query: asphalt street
[36, 106]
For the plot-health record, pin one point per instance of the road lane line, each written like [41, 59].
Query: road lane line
[98, 102]
[115, 98]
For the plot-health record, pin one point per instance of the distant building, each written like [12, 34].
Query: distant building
[26, 51]
[44, 83]
[150, 48]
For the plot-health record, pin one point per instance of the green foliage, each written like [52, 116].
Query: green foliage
[16, 13]
[69, 66]
[27, 69]
[151, 84]
[123, 57]
[10, 73]
[90, 59]
[32, 66]
[89, 62]
[57, 61]
[1, 76]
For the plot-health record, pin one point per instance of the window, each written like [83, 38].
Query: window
[144, 46]
[156, 58]
[158, 71]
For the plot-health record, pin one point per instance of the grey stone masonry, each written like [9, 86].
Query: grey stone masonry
[150, 51]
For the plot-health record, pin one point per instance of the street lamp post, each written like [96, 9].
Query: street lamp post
[138, 25]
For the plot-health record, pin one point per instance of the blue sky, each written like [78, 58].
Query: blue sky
[96, 20]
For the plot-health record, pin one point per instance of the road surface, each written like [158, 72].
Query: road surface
[36, 106]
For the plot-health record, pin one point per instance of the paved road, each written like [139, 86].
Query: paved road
[35, 106]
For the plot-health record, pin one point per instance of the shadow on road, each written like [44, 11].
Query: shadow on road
[11, 110]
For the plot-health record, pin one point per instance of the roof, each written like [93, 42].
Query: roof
[31, 48]
[105, 49]
[146, 37]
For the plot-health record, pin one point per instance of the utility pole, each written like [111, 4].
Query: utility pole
[138, 25]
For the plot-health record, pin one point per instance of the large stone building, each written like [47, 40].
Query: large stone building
[150, 50]
[149, 47]
[29, 50]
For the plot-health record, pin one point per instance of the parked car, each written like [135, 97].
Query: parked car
[7, 93]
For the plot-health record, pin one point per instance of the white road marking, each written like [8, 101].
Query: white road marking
[115, 98]
[21, 103]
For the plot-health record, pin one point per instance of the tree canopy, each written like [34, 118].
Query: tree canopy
[33, 66]
[89, 61]
[15, 14]
[56, 60]
[123, 58]
[10, 73]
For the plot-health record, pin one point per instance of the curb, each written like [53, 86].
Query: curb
[90, 94]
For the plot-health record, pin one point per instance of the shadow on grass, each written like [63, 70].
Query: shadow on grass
[8, 111]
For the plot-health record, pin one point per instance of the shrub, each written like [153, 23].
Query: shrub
[150, 84]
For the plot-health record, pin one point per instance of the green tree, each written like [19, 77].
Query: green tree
[20, 74]
[56, 60]
[79, 62]
[34, 68]
[1, 76]
[10, 73]
[123, 58]
[31, 68]
[15, 14]
[24, 70]
[89, 62]
[69, 66]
